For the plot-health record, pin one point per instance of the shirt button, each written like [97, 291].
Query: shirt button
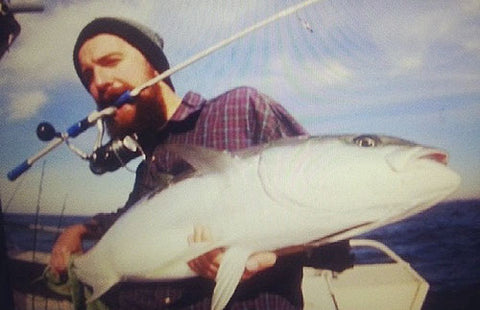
[167, 300]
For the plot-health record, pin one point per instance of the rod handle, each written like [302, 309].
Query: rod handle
[127, 96]
[18, 171]
[78, 128]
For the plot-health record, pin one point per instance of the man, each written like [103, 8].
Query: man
[113, 55]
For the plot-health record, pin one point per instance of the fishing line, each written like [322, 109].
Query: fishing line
[128, 96]
[286, 12]
[14, 193]
[62, 214]
[37, 211]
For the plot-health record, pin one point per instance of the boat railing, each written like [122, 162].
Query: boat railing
[394, 285]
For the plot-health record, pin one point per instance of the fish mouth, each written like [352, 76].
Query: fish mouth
[400, 160]
[436, 155]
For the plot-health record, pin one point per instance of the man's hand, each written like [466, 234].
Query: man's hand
[68, 243]
[207, 264]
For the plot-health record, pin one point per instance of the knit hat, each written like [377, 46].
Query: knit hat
[149, 43]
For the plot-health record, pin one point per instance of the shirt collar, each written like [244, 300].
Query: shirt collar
[191, 103]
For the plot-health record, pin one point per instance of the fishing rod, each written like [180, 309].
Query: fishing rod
[46, 132]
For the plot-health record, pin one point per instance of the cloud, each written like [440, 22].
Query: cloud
[373, 52]
[43, 51]
[413, 37]
[306, 75]
[470, 6]
[25, 105]
[329, 73]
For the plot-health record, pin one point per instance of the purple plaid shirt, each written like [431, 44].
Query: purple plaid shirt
[237, 119]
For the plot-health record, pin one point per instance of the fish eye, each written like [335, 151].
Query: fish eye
[366, 141]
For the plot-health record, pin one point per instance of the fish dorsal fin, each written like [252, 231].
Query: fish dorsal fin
[228, 276]
[202, 159]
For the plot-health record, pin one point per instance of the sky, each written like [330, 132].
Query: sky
[403, 68]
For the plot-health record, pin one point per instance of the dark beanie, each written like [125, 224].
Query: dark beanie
[149, 43]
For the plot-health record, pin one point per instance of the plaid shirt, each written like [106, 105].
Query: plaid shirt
[237, 119]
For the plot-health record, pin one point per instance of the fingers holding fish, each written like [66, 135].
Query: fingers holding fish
[68, 243]
[259, 262]
[207, 264]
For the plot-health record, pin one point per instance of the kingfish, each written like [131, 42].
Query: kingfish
[288, 193]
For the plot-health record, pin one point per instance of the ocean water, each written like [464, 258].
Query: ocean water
[441, 244]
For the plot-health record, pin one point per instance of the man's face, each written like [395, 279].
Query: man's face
[109, 67]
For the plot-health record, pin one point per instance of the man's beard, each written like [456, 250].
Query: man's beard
[149, 118]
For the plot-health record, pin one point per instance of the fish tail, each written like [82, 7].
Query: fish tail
[96, 273]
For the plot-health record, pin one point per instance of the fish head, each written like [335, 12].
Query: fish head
[368, 177]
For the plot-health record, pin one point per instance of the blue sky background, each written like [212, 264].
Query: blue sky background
[404, 68]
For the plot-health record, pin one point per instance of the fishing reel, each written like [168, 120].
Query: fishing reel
[117, 153]
[104, 158]
[113, 155]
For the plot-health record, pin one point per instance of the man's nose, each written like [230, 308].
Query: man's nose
[101, 79]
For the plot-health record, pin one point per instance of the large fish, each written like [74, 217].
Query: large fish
[284, 194]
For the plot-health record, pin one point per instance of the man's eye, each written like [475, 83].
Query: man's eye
[110, 62]
[366, 141]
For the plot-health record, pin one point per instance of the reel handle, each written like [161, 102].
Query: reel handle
[46, 132]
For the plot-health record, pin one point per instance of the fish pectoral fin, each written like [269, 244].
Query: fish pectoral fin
[203, 159]
[228, 276]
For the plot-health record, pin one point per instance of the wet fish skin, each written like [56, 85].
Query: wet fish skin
[265, 198]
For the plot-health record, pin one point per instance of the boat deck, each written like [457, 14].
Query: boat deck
[371, 286]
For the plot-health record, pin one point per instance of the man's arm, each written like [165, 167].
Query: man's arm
[68, 243]
[70, 240]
